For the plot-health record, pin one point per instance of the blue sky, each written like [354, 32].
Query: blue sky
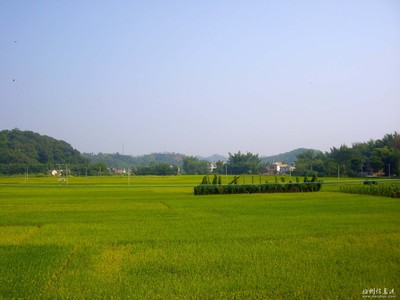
[201, 77]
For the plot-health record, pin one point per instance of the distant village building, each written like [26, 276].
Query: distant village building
[118, 171]
[279, 168]
[211, 167]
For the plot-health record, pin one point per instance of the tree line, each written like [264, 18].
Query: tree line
[375, 157]
[26, 151]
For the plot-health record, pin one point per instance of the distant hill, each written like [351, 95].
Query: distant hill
[213, 158]
[116, 160]
[27, 149]
[111, 160]
[287, 157]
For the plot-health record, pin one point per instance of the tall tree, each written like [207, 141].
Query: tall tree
[192, 165]
[239, 163]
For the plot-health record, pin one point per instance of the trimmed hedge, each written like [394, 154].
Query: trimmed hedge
[210, 189]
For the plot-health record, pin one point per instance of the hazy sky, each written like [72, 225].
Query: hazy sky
[201, 77]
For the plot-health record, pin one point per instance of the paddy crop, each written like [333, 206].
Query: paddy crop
[386, 190]
[162, 242]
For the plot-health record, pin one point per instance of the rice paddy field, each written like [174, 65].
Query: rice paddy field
[151, 238]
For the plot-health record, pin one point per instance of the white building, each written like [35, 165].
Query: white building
[211, 167]
[279, 168]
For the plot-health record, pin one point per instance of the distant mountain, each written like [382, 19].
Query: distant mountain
[175, 159]
[213, 158]
[287, 157]
[116, 160]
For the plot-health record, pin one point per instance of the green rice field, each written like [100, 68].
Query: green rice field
[151, 238]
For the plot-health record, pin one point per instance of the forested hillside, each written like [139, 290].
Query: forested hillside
[117, 160]
[152, 164]
[20, 150]
[287, 157]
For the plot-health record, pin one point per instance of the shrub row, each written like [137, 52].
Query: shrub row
[209, 189]
[386, 190]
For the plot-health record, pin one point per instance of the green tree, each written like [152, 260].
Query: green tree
[220, 167]
[391, 160]
[192, 165]
[365, 158]
[215, 179]
[310, 161]
[156, 169]
[239, 163]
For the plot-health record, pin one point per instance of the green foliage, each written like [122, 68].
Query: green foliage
[114, 160]
[20, 150]
[205, 180]
[314, 178]
[309, 161]
[362, 159]
[370, 182]
[220, 167]
[192, 166]
[29, 152]
[157, 169]
[97, 169]
[385, 190]
[235, 179]
[239, 163]
[204, 189]
[152, 164]
[287, 157]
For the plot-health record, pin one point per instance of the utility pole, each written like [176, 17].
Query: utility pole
[66, 173]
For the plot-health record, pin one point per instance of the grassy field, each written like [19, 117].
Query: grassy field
[103, 238]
